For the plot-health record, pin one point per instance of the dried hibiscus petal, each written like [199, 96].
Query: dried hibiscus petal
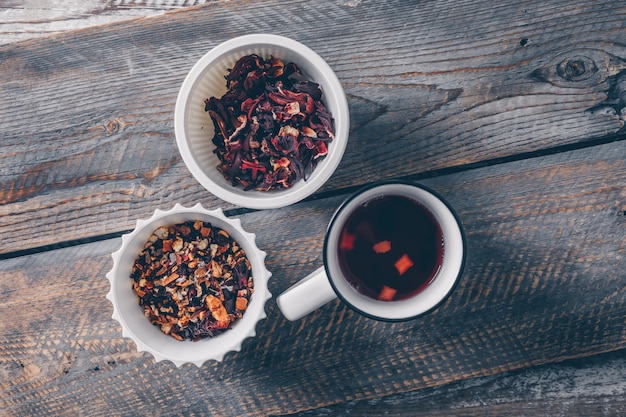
[193, 280]
[267, 116]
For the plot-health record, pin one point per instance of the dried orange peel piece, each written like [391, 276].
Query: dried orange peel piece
[217, 308]
[241, 303]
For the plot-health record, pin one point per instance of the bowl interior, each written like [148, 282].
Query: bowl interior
[149, 336]
[194, 127]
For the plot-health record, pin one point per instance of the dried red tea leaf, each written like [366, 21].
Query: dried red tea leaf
[267, 116]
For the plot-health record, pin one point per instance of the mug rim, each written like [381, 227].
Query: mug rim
[343, 207]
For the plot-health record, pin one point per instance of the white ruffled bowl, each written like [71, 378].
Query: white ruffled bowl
[147, 337]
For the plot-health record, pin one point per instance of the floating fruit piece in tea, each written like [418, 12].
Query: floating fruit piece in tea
[347, 240]
[403, 264]
[383, 246]
[193, 280]
[387, 293]
[271, 127]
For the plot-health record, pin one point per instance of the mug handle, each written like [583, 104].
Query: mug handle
[306, 296]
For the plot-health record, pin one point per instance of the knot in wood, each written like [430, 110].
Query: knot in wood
[576, 69]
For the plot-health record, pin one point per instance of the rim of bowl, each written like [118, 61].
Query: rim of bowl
[333, 92]
[201, 351]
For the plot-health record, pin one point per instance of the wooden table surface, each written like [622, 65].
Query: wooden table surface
[514, 111]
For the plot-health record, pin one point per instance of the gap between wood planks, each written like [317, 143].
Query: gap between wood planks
[616, 137]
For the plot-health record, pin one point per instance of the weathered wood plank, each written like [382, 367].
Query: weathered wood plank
[592, 386]
[28, 19]
[531, 294]
[87, 134]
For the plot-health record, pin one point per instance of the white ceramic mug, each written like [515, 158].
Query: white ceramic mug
[329, 281]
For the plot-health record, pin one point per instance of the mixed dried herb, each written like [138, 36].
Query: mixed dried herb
[271, 127]
[193, 280]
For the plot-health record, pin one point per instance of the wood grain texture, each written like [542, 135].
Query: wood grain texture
[87, 116]
[594, 386]
[29, 19]
[544, 282]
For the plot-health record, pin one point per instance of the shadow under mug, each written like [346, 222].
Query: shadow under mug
[329, 281]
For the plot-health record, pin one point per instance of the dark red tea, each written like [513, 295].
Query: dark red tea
[390, 248]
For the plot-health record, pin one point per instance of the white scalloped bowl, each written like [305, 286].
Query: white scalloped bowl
[194, 127]
[147, 337]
